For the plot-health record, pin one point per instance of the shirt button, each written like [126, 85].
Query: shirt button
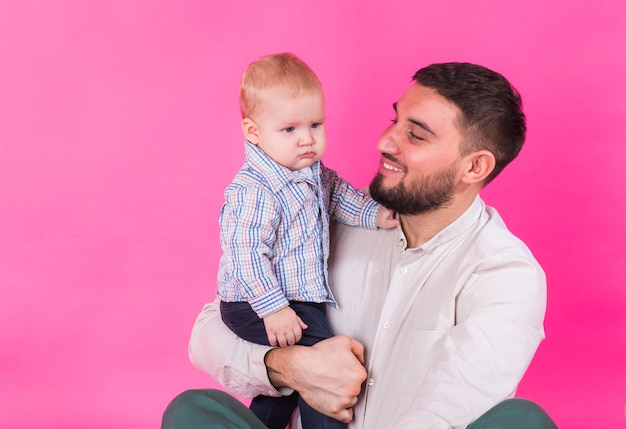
[370, 382]
[386, 325]
[401, 242]
[403, 269]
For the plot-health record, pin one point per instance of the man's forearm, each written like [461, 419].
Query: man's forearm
[327, 375]
[274, 362]
[237, 364]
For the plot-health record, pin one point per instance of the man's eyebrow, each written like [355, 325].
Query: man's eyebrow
[420, 124]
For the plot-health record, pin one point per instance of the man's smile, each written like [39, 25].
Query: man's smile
[390, 164]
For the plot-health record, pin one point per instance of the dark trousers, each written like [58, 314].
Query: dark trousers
[214, 409]
[276, 412]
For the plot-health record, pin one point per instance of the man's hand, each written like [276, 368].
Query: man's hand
[328, 375]
[385, 219]
[284, 327]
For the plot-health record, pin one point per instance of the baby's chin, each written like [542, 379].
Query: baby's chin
[303, 163]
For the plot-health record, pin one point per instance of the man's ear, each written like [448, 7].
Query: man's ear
[479, 166]
[250, 130]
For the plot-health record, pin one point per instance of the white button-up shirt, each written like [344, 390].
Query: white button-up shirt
[449, 328]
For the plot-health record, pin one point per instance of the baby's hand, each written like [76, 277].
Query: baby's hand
[284, 328]
[385, 219]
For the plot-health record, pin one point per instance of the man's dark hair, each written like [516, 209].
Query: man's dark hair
[492, 116]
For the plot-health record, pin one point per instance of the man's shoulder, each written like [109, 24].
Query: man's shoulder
[496, 244]
[497, 236]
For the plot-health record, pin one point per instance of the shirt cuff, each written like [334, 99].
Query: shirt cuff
[255, 381]
[269, 302]
[369, 215]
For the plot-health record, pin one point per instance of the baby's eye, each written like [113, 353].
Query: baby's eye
[289, 129]
[315, 125]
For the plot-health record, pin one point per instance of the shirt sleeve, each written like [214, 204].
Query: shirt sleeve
[500, 312]
[347, 205]
[249, 220]
[236, 364]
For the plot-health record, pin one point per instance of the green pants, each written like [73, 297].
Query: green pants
[214, 409]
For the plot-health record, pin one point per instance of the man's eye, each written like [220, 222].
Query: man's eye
[414, 137]
[394, 121]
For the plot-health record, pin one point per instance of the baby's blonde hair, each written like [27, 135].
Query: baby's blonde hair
[284, 73]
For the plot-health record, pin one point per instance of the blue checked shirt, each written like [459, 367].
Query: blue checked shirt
[275, 232]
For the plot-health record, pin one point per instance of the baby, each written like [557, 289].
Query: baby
[272, 281]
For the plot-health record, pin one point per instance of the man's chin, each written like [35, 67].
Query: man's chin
[380, 193]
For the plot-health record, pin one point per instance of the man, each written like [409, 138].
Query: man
[441, 316]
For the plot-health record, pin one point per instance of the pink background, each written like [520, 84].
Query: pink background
[119, 129]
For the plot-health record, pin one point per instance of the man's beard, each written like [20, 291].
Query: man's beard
[425, 194]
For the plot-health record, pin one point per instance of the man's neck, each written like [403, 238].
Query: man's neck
[418, 229]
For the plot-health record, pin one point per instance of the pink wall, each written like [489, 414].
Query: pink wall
[119, 130]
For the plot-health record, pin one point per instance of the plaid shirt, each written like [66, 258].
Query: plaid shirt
[275, 232]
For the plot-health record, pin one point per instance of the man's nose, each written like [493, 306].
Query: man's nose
[388, 142]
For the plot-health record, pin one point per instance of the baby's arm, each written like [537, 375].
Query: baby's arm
[385, 218]
[284, 327]
[352, 207]
[248, 235]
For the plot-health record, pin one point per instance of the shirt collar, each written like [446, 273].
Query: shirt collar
[462, 224]
[277, 176]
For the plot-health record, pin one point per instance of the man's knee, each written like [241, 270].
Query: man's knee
[193, 408]
[515, 413]
[207, 408]
[531, 413]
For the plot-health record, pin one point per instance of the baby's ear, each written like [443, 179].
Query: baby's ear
[250, 130]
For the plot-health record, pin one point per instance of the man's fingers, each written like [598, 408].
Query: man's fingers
[358, 350]
[345, 416]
